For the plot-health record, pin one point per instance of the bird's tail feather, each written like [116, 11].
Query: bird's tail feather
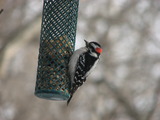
[69, 100]
[71, 93]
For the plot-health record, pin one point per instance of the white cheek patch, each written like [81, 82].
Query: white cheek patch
[94, 54]
[95, 46]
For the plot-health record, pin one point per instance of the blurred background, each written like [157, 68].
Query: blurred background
[124, 86]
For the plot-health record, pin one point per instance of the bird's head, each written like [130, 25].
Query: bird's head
[93, 47]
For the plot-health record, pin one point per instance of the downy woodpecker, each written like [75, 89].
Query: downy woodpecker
[82, 63]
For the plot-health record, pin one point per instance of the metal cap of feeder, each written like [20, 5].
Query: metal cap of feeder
[57, 42]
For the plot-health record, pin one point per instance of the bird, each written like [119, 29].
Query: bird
[81, 64]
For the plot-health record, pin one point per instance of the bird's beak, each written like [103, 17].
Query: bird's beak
[87, 43]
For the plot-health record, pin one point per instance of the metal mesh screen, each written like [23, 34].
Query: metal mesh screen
[57, 41]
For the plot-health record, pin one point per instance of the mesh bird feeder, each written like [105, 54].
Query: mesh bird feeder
[57, 42]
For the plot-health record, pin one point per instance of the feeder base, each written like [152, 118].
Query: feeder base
[52, 95]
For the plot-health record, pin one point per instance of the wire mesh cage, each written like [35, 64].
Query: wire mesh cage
[57, 42]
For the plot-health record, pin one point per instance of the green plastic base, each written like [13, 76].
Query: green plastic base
[52, 95]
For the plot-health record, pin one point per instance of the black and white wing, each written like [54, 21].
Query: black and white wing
[74, 62]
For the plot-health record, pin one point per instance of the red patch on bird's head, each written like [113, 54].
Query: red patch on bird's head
[99, 50]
